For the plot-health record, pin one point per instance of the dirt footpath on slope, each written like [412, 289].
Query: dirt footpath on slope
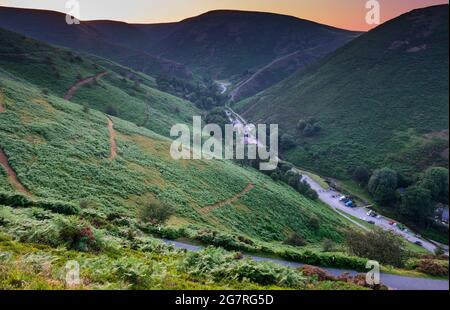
[112, 139]
[12, 176]
[71, 92]
[230, 200]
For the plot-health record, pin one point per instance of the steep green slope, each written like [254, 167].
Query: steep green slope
[83, 176]
[122, 91]
[380, 100]
[60, 152]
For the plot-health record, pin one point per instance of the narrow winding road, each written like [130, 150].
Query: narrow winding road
[331, 198]
[394, 282]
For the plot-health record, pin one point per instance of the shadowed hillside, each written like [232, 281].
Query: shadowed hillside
[254, 49]
[380, 100]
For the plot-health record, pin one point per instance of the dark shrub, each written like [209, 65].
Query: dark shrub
[295, 240]
[361, 175]
[110, 110]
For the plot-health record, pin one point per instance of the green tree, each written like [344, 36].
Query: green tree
[382, 185]
[379, 245]
[417, 204]
[436, 181]
[287, 142]
[155, 212]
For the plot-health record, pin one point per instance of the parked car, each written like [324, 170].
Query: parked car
[418, 243]
[371, 222]
[372, 214]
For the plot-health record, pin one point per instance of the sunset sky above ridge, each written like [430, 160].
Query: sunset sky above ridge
[348, 14]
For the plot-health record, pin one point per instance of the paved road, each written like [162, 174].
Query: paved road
[335, 204]
[327, 197]
[393, 281]
[223, 86]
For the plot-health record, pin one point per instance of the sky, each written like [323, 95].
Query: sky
[347, 14]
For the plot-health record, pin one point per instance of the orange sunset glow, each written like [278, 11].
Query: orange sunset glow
[347, 14]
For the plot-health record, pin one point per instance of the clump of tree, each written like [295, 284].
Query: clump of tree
[383, 186]
[205, 95]
[285, 173]
[287, 142]
[308, 127]
[155, 212]
[417, 204]
[436, 180]
[419, 200]
[217, 116]
[379, 245]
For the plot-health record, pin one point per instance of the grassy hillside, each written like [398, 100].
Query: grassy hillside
[60, 152]
[83, 205]
[381, 100]
[123, 92]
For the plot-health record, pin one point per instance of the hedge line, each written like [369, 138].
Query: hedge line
[326, 260]
[20, 201]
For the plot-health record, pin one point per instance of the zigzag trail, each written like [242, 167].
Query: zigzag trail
[230, 200]
[112, 134]
[71, 92]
